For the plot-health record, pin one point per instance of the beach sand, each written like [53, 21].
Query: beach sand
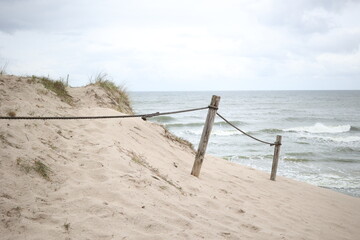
[128, 179]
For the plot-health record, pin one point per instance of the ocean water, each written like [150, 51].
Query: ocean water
[320, 130]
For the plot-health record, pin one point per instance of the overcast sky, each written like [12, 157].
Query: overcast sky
[186, 45]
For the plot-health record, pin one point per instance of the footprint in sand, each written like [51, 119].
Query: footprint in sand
[100, 211]
[91, 165]
[98, 176]
[251, 227]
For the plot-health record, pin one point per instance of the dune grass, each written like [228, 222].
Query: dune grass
[117, 93]
[66, 226]
[175, 138]
[37, 166]
[58, 87]
[42, 169]
[140, 160]
[3, 69]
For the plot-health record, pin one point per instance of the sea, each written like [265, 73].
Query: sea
[320, 130]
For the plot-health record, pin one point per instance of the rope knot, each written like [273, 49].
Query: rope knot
[213, 107]
[144, 117]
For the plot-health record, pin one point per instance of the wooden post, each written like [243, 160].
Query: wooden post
[276, 158]
[205, 135]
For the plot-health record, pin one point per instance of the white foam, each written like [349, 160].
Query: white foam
[214, 133]
[225, 133]
[342, 139]
[320, 128]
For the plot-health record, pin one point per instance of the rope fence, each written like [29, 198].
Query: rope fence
[212, 112]
[271, 144]
[277, 145]
[143, 116]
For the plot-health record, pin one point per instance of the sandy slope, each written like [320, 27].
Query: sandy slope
[124, 179]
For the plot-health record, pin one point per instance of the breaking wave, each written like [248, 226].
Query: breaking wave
[320, 128]
[201, 124]
[342, 139]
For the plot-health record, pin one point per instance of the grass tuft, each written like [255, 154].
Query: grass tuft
[3, 69]
[66, 226]
[117, 93]
[37, 166]
[138, 159]
[58, 87]
[42, 169]
[180, 140]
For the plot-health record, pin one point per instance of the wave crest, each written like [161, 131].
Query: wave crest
[342, 139]
[320, 128]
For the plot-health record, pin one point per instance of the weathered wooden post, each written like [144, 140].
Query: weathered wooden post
[214, 104]
[276, 158]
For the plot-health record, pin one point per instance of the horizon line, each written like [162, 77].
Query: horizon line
[263, 90]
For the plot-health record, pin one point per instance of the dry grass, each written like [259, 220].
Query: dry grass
[117, 93]
[3, 69]
[42, 169]
[67, 226]
[58, 87]
[37, 166]
[177, 139]
[138, 159]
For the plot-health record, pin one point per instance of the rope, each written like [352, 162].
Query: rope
[271, 144]
[174, 112]
[143, 116]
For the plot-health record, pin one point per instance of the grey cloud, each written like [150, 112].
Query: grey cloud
[47, 15]
[192, 40]
[304, 16]
[337, 41]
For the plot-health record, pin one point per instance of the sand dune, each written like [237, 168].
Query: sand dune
[126, 179]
